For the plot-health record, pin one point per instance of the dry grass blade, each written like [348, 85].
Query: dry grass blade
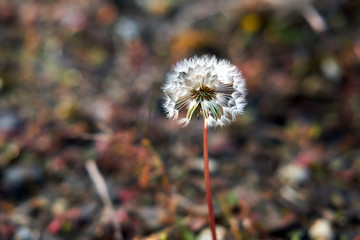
[103, 193]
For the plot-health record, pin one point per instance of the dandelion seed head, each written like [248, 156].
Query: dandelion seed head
[210, 87]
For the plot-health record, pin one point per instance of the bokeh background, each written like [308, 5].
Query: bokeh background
[80, 83]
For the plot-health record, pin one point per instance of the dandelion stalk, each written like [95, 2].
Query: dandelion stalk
[207, 182]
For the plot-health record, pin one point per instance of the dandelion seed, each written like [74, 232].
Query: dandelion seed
[213, 88]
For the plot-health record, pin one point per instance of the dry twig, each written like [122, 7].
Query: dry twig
[103, 193]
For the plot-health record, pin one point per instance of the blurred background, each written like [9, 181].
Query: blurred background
[80, 89]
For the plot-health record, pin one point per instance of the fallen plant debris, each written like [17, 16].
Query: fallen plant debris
[82, 80]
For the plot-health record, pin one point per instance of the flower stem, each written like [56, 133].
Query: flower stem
[207, 183]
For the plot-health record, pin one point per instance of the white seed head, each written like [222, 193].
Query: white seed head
[214, 88]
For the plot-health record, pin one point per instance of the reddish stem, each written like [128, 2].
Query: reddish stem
[207, 184]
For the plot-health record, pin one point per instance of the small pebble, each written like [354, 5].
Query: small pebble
[19, 179]
[59, 206]
[197, 164]
[292, 174]
[321, 230]
[127, 29]
[24, 234]
[206, 233]
[331, 69]
[151, 216]
[9, 121]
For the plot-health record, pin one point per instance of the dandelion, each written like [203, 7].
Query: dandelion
[214, 89]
